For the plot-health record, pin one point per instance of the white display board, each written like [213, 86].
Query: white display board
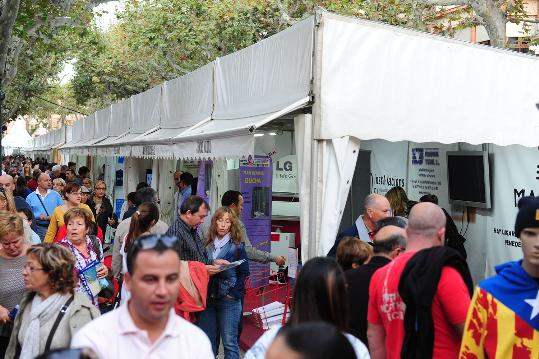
[388, 164]
[515, 172]
[427, 171]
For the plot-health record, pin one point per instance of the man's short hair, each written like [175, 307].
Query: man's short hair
[56, 168]
[186, 178]
[71, 164]
[230, 197]
[388, 244]
[146, 194]
[193, 204]
[353, 250]
[160, 248]
[141, 185]
[132, 196]
[83, 170]
[432, 198]
[391, 221]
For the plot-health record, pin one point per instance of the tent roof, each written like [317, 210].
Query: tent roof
[381, 81]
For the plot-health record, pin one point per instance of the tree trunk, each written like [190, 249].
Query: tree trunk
[494, 20]
[9, 10]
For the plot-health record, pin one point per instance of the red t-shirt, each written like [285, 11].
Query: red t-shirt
[450, 306]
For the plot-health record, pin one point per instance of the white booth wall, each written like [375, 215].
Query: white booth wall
[513, 173]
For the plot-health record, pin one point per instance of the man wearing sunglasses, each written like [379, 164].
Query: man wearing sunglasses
[147, 326]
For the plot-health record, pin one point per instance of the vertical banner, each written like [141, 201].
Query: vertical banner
[428, 171]
[204, 180]
[256, 189]
[515, 174]
[388, 164]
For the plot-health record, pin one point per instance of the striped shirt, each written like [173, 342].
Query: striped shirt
[192, 248]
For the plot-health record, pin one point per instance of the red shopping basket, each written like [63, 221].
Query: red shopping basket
[267, 297]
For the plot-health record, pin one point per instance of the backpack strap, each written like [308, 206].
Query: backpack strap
[63, 311]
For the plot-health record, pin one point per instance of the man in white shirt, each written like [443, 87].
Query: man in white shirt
[147, 327]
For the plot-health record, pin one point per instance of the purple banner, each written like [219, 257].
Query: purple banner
[204, 174]
[255, 187]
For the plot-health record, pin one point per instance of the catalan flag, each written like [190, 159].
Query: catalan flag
[503, 319]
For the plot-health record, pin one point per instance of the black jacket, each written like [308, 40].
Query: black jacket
[106, 211]
[417, 287]
[358, 281]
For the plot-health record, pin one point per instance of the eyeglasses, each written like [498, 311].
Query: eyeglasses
[152, 241]
[31, 269]
[103, 188]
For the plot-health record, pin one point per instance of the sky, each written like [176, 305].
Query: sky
[104, 22]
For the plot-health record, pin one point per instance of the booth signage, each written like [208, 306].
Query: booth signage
[148, 150]
[256, 189]
[204, 146]
[515, 175]
[285, 174]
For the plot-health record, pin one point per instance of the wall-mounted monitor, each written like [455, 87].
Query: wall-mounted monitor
[468, 178]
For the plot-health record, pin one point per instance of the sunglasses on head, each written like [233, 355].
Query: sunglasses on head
[153, 240]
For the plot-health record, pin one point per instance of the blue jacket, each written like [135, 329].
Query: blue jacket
[231, 281]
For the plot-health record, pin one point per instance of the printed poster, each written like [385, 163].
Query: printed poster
[256, 189]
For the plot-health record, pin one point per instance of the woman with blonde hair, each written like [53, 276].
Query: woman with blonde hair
[58, 185]
[226, 288]
[40, 325]
[13, 248]
[7, 202]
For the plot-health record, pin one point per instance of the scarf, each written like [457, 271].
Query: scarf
[219, 244]
[42, 311]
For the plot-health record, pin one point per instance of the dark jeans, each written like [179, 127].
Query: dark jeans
[40, 231]
[220, 320]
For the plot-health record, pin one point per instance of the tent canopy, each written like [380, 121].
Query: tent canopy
[381, 81]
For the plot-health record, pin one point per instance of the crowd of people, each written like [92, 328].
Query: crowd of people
[394, 285]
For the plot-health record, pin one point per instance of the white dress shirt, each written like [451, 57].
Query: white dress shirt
[115, 336]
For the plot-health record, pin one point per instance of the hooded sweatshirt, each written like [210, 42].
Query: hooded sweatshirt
[503, 320]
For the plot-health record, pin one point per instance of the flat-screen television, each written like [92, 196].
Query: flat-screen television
[468, 178]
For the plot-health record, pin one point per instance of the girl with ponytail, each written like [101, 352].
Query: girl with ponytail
[142, 222]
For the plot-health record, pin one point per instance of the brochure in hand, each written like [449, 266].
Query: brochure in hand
[90, 274]
[230, 265]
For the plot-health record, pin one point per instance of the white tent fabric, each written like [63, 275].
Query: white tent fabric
[333, 169]
[119, 124]
[303, 132]
[267, 76]
[166, 188]
[101, 126]
[146, 109]
[17, 136]
[380, 81]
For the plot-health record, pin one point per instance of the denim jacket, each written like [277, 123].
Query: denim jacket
[229, 282]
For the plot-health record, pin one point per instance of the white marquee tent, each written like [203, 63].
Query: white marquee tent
[364, 80]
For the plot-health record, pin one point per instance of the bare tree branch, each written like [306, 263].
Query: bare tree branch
[173, 64]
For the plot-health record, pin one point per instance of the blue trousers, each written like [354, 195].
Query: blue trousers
[220, 320]
[41, 231]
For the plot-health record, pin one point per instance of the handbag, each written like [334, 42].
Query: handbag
[106, 291]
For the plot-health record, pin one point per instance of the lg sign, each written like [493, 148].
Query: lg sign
[285, 174]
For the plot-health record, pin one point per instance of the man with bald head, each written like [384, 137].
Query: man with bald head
[42, 202]
[386, 313]
[375, 208]
[389, 242]
[8, 184]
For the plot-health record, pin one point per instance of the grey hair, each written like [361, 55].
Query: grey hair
[396, 221]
